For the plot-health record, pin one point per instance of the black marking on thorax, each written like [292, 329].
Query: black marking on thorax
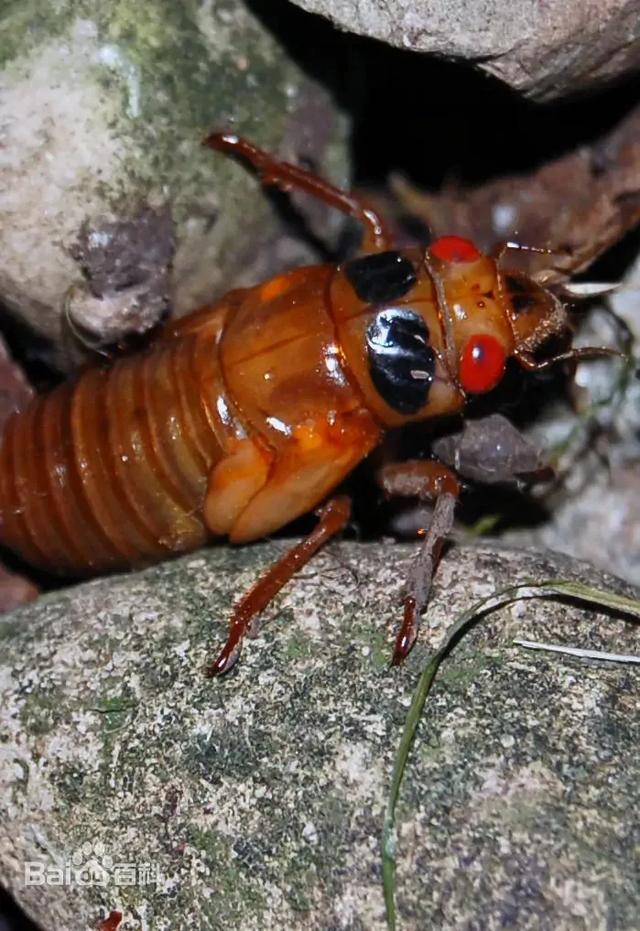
[401, 361]
[380, 277]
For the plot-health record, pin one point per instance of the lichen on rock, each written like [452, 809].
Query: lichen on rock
[256, 800]
[103, 109]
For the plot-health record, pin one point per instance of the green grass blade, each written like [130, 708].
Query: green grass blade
[550, 588]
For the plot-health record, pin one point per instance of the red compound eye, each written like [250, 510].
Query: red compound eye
[482, 363]
[454, 249]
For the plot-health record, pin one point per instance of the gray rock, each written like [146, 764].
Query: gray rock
[544, 50]
[109, 206]
[256, 801]
[594, 510]
[596, 518]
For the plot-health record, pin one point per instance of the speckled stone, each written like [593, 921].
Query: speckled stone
[259, 798]
[544, 50]
[103, 107]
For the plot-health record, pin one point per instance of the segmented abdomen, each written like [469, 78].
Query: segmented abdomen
[110, 470]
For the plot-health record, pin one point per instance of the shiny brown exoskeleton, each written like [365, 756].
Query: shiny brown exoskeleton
[250, 411]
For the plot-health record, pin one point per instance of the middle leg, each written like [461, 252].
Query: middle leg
[427, 480]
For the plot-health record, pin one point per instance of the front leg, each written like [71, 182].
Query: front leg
[427, 480]
[332, 518]
[254, 492]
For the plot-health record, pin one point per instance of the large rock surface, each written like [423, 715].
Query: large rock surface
[544, 50]
[256, 801]
[109, 205]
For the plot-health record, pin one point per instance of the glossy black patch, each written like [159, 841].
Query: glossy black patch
[401, 361]
[382, 277]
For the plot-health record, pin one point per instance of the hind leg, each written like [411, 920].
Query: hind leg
[288, 177]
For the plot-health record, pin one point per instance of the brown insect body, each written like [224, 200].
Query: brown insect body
[246, 414]
[238, 419]
[108, 470]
